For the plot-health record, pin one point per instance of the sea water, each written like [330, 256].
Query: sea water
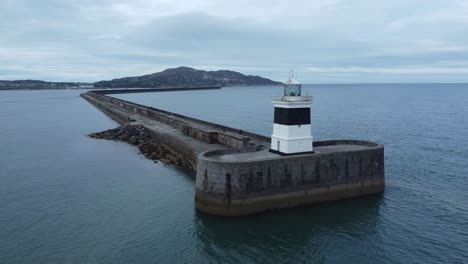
[67, 198]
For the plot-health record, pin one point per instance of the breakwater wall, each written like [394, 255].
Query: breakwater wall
[235, 172]
[173, 130]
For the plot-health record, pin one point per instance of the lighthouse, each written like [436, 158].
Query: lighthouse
[291, 127]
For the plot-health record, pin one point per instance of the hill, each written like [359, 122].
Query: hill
[185, 76]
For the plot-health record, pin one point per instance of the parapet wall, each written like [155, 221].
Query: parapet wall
[210, 133]
[161, 89]
[207, 132]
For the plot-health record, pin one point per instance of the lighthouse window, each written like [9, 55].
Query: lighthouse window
[292, 116]
[292, 90]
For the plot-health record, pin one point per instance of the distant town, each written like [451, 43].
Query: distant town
[42, 85]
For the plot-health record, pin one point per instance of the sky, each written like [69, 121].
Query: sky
[323, 41]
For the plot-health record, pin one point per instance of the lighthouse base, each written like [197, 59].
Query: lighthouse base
[291, 146]
[289, 154]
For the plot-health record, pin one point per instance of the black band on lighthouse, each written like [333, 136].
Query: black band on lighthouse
[292, 116]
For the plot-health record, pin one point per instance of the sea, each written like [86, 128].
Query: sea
[68, 198]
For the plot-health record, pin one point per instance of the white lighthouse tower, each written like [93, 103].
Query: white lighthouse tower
[291, 128]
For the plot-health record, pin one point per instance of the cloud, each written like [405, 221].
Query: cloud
[394, 70]
[324, 40]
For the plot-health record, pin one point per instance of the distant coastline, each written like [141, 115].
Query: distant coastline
[173, 77]
[42, 85]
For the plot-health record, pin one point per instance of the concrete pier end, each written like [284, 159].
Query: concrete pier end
[244, 183]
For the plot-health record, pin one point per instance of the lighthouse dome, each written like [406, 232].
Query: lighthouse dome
[292, 81]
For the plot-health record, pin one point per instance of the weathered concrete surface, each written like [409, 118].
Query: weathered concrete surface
[237, 175]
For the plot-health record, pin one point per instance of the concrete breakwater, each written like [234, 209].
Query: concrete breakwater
[235, 172]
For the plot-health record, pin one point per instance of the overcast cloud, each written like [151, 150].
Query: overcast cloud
[325, 41]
